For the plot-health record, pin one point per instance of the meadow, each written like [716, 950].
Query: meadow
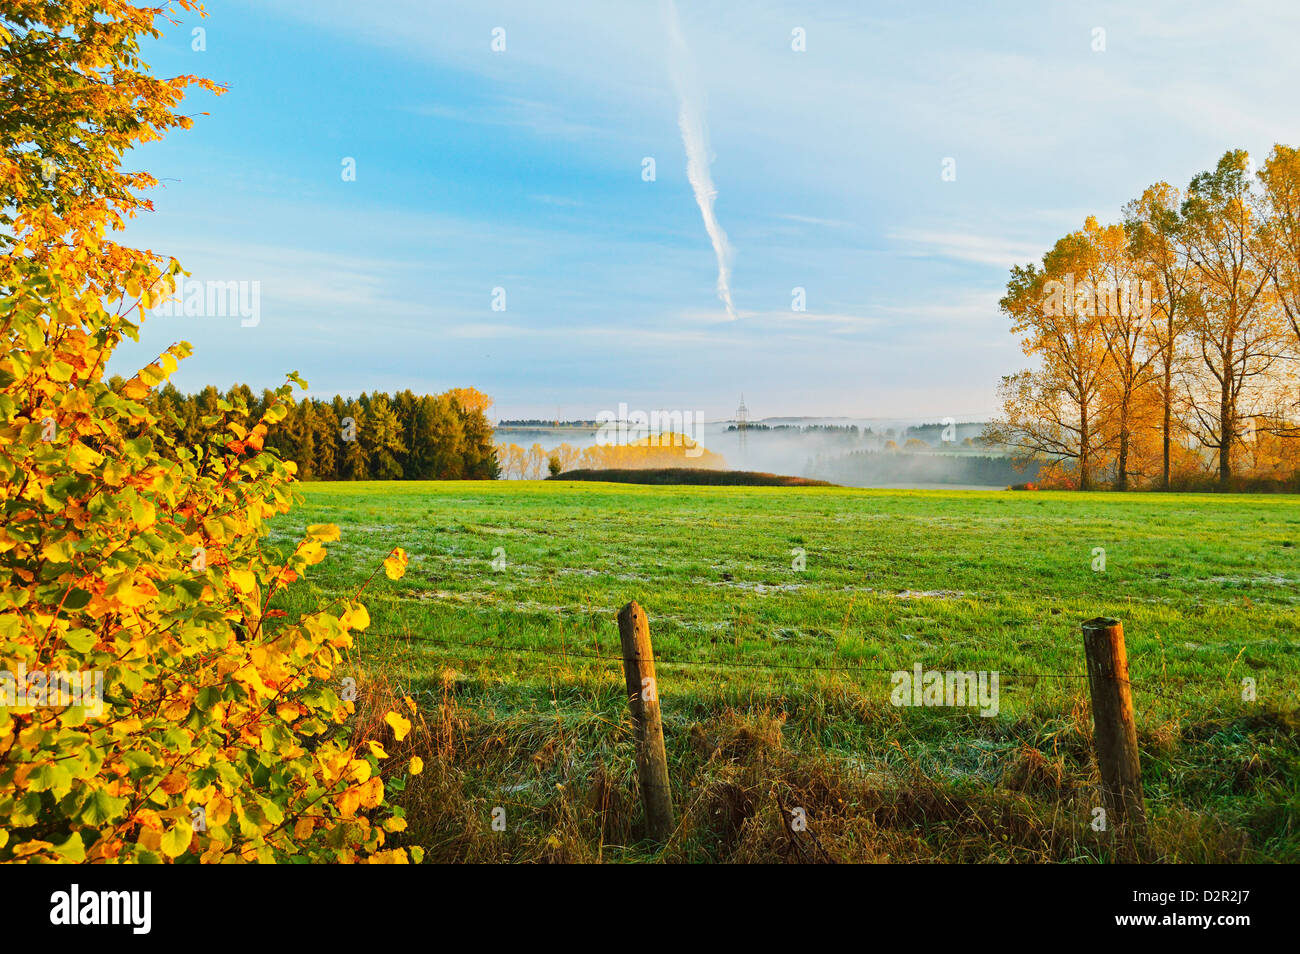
[778, 615]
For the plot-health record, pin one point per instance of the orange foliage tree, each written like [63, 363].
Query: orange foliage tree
[1166, 349]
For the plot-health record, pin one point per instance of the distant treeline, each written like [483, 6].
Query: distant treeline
[871, 468]
[944, 433]
[372, 437]
[692, 475]
[537, 422]
[848, 430]
[936, 435]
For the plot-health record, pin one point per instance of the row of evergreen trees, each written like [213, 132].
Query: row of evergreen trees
[372, 437]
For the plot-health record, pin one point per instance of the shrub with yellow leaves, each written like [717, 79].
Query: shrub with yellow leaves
[209, 735]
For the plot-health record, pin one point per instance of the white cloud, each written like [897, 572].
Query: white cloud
[967, 247]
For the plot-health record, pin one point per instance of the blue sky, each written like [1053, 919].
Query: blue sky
[522, 170]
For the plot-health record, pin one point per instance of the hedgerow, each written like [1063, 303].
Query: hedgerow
[211, 728]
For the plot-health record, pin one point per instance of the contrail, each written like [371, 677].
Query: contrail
[695, 137]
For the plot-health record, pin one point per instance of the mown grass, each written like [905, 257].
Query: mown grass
[532, 721]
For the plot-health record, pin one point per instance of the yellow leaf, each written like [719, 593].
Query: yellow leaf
[31, 848]
[400, 726]
[417, 765]
[242, 580]
[312, 552]
[395, 565]
[355, 617]
[377, 750]
[348, 802]
[333, 764]
[177, 839]
[395, 857]
[134, 389]
[150, 839]
[213, 855]
[137, 596]
[176, 710]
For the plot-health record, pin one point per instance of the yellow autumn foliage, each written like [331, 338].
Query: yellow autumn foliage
[176, 716]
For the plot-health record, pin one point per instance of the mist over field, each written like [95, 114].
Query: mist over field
[852, 451]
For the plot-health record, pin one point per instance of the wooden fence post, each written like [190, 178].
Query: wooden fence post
[1114, 731]
[643, 699]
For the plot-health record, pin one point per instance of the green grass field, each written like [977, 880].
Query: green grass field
[499, 624]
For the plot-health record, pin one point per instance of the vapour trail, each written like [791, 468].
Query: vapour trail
[695, 137]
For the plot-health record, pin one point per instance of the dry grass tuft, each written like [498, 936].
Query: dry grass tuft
[748, 788]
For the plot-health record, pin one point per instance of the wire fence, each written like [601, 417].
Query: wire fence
[1008, 758]
[1065, 789]
[756, 665]
[752, 665]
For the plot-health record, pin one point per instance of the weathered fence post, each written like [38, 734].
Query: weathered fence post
[643, 699]
[1114, 731]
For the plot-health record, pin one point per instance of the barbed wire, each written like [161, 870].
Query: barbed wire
[1090, 792]
[736, 664]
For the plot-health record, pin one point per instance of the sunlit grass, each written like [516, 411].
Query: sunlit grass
[1207, 586]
